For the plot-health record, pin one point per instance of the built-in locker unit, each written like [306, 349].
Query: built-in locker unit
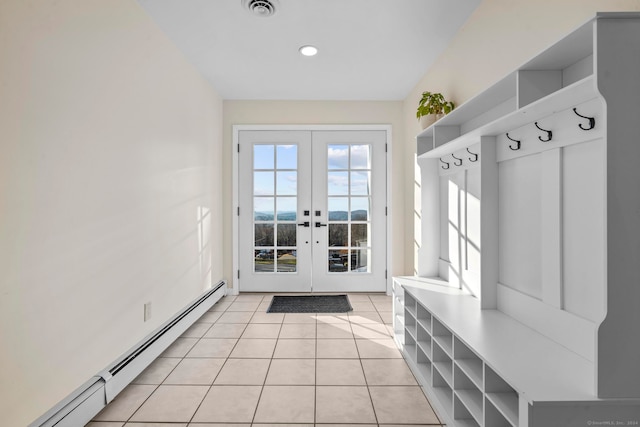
[525, 311]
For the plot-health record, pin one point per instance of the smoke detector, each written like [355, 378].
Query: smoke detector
[261, 8]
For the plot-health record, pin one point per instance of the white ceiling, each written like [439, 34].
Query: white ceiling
[369, 49]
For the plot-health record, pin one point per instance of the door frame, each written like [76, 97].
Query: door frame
[235, 183]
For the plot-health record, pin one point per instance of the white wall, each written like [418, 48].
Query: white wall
[498, 37]
[320, 112]
[111, 153]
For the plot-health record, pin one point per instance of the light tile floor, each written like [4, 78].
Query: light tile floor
[239, 365]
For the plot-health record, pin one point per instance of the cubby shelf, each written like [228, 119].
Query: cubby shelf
[576, 93]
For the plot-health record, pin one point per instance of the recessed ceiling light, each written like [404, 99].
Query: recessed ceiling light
[308, 50]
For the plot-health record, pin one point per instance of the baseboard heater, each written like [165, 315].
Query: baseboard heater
[84, 403]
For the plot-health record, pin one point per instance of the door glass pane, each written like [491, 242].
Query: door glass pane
[360, 158]
[359, 235]
[338, 157]
[338, 183]
[338, 261]
[263, 183]
[287, 261]
[360, 261]
[263, 234]
[263, 208]
[338, 235]
[360, 207]
[263, 157]
[352, 181]
[287, 234]
[263, 261]
[287, 207]
[287, 183]
[275, 185]
[287, 156]
[338, 208]
[360, 183]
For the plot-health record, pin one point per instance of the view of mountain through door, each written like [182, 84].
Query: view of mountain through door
[312, 211]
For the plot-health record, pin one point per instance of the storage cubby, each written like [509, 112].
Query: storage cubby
[409, 345]
[443, 363]
[424, 318]
[423, 362]
[501, 395]
[410, 324]
[462, 415]
[410, 305]
[443, 392]
[424, 341]
[493, 417]
[443, 337]
[468, 393]
[468, 362]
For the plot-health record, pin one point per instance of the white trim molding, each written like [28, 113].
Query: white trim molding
[235, 199]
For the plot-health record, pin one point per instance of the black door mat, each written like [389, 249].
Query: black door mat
[310, 304]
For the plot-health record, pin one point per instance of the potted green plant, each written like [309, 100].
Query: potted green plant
[431, 107]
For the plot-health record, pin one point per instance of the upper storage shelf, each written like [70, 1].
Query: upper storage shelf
[562, 74]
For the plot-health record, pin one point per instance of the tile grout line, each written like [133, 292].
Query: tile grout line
[264, 382]
[315, 375]
[220, 370]
[366, 381]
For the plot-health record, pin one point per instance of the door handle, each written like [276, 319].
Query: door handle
[304, 224]
[318, 224]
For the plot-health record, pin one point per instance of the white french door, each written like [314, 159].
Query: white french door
[312, 211]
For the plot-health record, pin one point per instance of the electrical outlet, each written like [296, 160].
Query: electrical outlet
[147, 311]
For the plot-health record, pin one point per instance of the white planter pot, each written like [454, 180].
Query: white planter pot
[429, 119]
